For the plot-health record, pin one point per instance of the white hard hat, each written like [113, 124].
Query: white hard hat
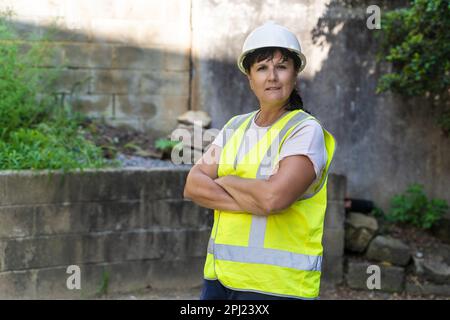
[271, 34]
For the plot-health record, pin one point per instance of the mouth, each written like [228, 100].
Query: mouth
[273, 88]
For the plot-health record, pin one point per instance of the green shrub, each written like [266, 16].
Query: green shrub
[166, 146]
[414, 207]
[36, 132]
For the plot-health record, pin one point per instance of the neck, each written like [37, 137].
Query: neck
[268, 115]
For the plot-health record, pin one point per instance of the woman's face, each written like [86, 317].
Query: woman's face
[272, 80]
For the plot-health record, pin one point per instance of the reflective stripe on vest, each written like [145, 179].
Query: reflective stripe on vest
[273, 257]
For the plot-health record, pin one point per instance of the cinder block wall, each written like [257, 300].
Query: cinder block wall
[127, 62]
[131, 227]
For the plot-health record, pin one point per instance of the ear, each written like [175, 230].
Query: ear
[250, 81]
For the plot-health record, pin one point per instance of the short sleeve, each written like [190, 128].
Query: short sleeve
[218, 141]
[307, 139]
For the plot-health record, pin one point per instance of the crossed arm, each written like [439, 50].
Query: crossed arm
[233, 193]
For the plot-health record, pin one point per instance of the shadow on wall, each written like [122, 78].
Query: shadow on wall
[385, 142]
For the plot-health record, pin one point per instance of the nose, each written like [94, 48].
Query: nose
[272, 76]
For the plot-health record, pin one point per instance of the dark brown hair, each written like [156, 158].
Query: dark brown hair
[295, 100]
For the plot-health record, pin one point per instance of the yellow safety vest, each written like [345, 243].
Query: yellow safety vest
[279, 254]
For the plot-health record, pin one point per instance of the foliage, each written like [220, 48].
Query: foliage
[416, 40]
[165, 145]
[103, 288]
[414, 207]
[37, 132]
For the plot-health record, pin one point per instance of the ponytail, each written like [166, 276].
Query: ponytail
[295, 102]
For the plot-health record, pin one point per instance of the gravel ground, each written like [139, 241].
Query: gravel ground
[136, 161]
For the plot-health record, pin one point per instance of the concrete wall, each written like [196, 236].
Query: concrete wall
[131, 226]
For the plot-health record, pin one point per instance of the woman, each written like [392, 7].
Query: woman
[265, 177]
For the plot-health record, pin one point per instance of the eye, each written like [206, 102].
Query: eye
[260, 68]
[281, 67]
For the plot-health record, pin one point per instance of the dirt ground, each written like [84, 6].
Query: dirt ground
[326, 293]
[121, 139]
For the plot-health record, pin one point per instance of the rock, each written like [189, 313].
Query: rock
[433, 266]
[391, 278]
[195, 117]
[359, 230]
[441, 230]
[427, 289]
[385, 248]
[357, 240]
[359, 220]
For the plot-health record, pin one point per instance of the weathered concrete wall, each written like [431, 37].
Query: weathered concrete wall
[126, 61]
[131, 226]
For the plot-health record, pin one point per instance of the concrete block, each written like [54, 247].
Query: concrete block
[36, 187]
[55, 219]
[103, 185]
[176, 59]
[335, 215]
[29, 253]
[123, 246]
[337, 186]
[16, 221]
[185, 273]
[427, 289]
[54, 56]
[197, 242]
[391, 278]
[51, 283]
[173, 213]
[141, 106]
[166, 83]
[89, 217]
[72, 80]
[92, 105]
[88, 55]
[389, 249]
[138, 58]
[332, 269]
[170, 183]
[115, 81]
[357, 240]
[333, 242]
[18, 284]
